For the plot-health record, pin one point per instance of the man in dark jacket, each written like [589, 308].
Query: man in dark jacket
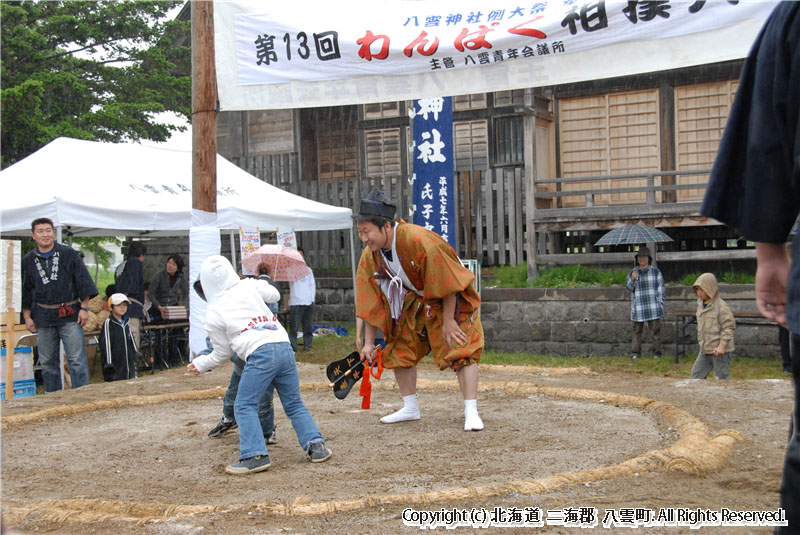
[56, 289]
[131, 283]
[755, 188]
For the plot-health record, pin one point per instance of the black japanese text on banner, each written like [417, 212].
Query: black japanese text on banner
[286, 54]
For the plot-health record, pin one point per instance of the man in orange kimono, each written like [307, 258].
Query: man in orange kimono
[412, 286]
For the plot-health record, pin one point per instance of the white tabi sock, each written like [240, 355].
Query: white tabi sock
[472, 422]
[410, 411]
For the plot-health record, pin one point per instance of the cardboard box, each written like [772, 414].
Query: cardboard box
[175, 313]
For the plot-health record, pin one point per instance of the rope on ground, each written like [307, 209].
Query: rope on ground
[695, 453]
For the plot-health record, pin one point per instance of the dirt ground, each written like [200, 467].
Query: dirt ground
[149, 468]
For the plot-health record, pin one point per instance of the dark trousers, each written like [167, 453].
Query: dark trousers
[655, 331]
[301, 314]
[790, 484]
[783, 340]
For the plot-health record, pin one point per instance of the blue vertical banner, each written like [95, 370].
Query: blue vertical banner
[434, 193]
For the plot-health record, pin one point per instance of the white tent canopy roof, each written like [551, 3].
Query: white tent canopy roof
[106, 189]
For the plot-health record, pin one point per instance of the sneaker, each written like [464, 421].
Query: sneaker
[634, 357]
[272, 438]
[317, 452]
[259, 463]
[222, 427]
[657, 357]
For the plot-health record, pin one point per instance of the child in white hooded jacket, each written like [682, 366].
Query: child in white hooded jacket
[239, 321]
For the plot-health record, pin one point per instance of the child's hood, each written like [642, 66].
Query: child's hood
[216, 276]
[708, 283]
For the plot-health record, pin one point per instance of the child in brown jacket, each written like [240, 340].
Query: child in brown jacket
[715, 327]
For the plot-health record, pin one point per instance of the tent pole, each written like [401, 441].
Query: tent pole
[353, 259]
[233, 251]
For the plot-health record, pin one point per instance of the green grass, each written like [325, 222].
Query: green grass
[741, 367]
[104, 278]
[578, 276]
[330, 348]
[727, 278]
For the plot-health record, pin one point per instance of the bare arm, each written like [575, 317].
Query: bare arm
[451, 332]
[29, 324]
[771, 278]
[368, 350]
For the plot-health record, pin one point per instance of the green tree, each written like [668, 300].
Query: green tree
[96, 70]
[102, 255]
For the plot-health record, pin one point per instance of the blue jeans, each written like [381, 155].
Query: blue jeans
[271, 365]
[266, 409]
[71, 334]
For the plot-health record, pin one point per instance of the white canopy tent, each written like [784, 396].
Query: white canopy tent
[104, 189]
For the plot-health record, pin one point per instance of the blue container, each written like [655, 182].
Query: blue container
[22, 389]
[22, 349]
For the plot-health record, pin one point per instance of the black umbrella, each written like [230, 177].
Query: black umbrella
[632, 234]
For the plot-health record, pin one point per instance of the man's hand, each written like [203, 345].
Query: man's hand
[191, 369]
[368, 351]
[720, 350]
[771, 277]
[163, 311]
[83, 317]
[453, 334]
[30, 325]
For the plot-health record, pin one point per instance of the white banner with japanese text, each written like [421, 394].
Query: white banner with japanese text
[286, 54]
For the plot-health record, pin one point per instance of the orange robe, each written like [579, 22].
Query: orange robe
[433, 267]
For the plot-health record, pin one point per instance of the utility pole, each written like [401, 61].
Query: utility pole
[203, 236]
[204, 108]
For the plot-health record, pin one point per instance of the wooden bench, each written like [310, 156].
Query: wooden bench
[684, 318]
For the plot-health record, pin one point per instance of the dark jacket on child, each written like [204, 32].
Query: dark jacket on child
[118, 350]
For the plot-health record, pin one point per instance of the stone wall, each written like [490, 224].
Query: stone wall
[335, 301]
[596, 321]
[573, 322]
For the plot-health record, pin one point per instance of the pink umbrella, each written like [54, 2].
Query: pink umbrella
[286, 264]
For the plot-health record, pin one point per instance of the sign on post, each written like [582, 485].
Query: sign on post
[249, 241]
[287, 238]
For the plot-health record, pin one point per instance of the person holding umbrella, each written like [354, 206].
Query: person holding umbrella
[646, 285]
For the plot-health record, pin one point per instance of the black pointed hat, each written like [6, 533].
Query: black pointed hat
[378, 204]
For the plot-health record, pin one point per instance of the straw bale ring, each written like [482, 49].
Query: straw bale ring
[695, 453]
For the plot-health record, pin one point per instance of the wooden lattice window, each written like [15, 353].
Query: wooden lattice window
[515, 97]
[701, 112]
[508, 135]
[610, 134]
[469, 102]
[383, 152]
[471, 145]
[379, 110]
[337, 143]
